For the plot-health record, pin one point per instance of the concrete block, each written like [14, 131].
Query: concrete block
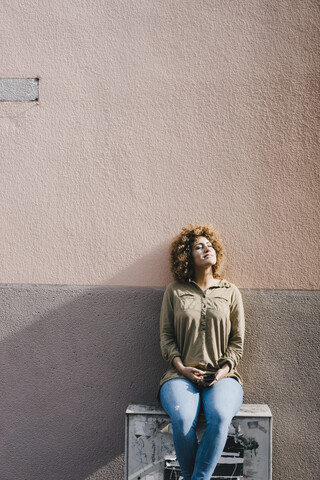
[150, 453]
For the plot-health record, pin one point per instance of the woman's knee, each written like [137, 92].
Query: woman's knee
[184, 423]
[218, 420]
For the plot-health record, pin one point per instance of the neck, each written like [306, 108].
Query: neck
[204, 278]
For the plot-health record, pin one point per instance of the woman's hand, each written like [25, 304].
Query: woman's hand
[193, 374]
[221, 373]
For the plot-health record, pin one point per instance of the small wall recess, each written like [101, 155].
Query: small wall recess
[19, 89]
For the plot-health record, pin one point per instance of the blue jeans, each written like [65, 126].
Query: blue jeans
[181, 399]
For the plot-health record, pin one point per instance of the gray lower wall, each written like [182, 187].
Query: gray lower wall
[72, 358]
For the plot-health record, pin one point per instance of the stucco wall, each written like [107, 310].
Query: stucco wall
[153, 114]
[73, 358]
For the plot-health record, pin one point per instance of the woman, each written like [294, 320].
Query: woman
[201, 336]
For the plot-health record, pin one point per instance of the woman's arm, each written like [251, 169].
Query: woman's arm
[168, 343]
[234, 350]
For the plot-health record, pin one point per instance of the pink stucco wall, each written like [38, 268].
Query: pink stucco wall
[153, 114]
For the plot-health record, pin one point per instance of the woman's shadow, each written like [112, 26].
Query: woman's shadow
[73, 358]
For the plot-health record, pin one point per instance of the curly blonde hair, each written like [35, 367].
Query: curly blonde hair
[181, 259]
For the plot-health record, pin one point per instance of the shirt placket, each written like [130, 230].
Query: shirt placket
[203, 321]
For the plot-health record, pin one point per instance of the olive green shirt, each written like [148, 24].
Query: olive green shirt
[205, 329]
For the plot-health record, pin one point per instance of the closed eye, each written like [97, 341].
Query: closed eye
[201, 245]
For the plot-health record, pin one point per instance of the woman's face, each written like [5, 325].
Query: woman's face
[203, 253]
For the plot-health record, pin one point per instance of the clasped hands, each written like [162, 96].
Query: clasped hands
[197, 376]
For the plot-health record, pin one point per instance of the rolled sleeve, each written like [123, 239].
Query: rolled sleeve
[168, 343]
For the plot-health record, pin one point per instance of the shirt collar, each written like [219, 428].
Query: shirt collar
[222, 283]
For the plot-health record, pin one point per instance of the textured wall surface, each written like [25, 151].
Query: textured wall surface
[73, 358]
[153, 114]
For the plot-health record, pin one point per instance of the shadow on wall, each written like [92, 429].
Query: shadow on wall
[73, 358]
